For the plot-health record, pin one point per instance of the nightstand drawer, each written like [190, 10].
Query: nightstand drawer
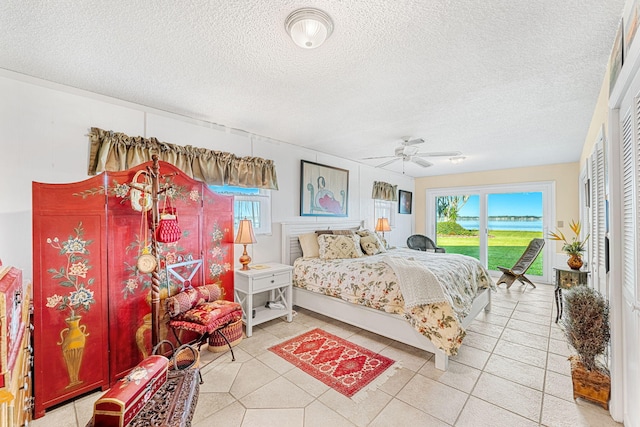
[269, 282]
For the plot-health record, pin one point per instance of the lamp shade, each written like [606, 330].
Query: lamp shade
[245, 234]
[309, 27]
[383, 225]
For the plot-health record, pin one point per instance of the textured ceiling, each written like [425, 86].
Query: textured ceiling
[509, 83]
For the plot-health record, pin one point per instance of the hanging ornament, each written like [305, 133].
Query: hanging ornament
[146, 261]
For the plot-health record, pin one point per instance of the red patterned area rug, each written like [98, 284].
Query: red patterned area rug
[340, 364]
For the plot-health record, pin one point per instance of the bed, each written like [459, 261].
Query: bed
[441, 324]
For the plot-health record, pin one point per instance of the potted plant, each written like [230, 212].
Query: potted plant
[575, 247]
[586, 326]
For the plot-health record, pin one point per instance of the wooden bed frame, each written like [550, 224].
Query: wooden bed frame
[386, 324]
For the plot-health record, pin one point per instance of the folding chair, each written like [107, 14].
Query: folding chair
[509, 275]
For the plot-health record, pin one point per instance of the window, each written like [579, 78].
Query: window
[249, 203]
[385, 209]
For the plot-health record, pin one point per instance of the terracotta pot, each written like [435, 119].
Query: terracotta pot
[575, 262]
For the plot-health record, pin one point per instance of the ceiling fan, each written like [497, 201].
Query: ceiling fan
[408, 152]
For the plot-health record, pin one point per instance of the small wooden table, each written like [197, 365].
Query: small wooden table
[566, 279]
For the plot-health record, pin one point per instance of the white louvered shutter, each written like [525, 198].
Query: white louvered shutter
[628, 201]
[597, 220]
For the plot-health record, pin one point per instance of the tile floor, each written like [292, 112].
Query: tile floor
[512, 370]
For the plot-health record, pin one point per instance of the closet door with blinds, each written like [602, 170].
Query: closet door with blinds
[597, 224]
[629, 178]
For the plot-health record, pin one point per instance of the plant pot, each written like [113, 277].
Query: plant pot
[594, 386]
[575, 262]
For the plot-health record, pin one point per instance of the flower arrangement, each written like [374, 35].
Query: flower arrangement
[575, 246]
[71, 276]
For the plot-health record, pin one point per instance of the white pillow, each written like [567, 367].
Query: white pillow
[309, 245]
[334, 246]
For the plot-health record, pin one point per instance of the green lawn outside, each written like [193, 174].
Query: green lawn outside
[505, 247]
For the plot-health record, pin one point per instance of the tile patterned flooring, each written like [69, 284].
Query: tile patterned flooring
[512, 370]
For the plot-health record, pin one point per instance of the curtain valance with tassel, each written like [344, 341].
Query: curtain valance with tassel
[114, 151]
[384, 191]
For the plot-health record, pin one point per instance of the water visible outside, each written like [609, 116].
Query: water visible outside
[514, 220]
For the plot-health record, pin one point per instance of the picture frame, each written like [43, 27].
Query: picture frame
[617, 58]
[324, 190]
[405, 201]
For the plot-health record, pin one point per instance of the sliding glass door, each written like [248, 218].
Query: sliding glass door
[458, 223]
[493, 224]
[514, 219]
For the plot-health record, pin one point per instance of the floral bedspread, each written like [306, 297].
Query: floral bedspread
[371, 282]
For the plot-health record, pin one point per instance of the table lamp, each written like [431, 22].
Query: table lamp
[383, 225]
[245, 237]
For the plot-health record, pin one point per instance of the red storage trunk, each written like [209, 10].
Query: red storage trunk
[118, 406]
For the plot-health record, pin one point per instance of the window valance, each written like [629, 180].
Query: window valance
[384, 191]
[115, 151]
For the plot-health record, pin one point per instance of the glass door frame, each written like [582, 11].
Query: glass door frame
[548, 190]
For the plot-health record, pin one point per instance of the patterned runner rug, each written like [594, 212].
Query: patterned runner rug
[340, 364]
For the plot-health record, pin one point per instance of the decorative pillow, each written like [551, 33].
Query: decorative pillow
[338, 232]
[344, 232]
[370, 242]
[208, 317]
[370, 245]
[210, 292]
[334, 246]
[309, 245]
[365, 232]
[190, 298]
[210, 314]
[183, 301]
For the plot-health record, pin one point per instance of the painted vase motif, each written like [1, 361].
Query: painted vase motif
[575, 262]
[73, 347]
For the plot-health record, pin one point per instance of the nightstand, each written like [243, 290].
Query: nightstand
[566, 279]
[272, 278]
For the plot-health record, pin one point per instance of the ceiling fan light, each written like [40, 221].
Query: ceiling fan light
[308, 27]
[456, 159]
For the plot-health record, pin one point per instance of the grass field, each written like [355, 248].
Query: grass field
[505, 247]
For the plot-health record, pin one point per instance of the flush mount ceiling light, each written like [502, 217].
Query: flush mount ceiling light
[309, 27]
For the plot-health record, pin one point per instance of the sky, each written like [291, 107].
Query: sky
[501, 204]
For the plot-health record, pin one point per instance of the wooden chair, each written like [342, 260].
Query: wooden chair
[420, 242]
[509, 275]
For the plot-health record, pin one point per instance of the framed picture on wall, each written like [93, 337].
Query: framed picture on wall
[617, 58]
[404, 201]
[324, 190]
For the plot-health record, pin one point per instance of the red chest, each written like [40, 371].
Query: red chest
[125, 399]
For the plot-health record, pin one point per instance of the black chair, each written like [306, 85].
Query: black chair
[509, 275]
[421, 242]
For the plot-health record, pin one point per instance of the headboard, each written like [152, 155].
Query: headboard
[291, 249]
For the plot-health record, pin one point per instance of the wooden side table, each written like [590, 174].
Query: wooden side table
[566, 279]
[274, 278]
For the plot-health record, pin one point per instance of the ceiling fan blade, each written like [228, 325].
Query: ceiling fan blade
[377, 157]
[412, 141]
[381, 165]
[421, 162]
[439, 154]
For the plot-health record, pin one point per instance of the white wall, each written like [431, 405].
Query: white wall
[43, 137]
